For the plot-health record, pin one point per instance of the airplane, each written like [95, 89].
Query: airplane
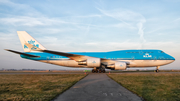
[99, 61]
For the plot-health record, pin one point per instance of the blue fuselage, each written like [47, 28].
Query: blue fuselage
[112, 55]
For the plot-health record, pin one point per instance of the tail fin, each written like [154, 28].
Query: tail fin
[27, 41]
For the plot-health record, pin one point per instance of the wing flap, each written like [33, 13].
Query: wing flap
[58, 53]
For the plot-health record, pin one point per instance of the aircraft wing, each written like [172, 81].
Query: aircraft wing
[71, 56]
[22, 53]
[77, 57]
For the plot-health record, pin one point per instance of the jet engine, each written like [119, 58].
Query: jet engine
[118, 66]
[91, 62]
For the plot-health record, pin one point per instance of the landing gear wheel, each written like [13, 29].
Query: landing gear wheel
[100, 71]
[104, 71]
[93, 71]
[96, 71]
[157, 69]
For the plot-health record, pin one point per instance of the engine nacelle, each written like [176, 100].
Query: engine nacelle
[118, 66]
[91, 62]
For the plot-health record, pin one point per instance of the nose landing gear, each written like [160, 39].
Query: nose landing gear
[157, 69]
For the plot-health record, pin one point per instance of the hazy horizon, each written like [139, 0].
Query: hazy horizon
[86, 26]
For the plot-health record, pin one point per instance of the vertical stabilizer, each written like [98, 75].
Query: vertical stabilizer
[26, 39]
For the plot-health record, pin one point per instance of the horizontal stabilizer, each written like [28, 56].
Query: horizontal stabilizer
[22, 53]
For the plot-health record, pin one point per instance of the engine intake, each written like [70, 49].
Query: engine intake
[118, 66]
[91, 62]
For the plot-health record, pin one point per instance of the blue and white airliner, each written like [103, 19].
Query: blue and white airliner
[99, 61]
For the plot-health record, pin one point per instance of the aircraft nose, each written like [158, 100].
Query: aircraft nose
[173, 58]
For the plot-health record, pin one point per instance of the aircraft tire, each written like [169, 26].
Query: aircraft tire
[93, 71]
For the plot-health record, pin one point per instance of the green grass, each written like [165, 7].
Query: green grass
[40, 87]
[152, 87]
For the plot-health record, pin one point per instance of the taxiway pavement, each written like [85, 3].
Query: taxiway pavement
[1, 73]
[87, 72]
[97, 87]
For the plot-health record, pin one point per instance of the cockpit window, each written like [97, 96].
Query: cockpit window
[162, 52]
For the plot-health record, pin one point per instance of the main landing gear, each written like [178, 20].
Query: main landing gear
[157, 69]
[98, 70]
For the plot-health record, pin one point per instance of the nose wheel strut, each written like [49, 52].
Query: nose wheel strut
[157, 69]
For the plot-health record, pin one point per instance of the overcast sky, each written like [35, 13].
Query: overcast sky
[89, 25]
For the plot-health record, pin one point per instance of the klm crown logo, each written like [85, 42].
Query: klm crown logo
[32, 43]
[94, 62]
[147, 55]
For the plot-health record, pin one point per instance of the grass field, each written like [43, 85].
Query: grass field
[152, 87]
[40, 87]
